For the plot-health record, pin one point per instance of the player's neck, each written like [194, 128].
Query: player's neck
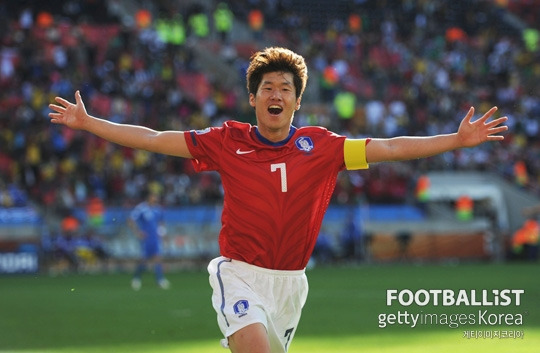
[275, 138]
[273, 135]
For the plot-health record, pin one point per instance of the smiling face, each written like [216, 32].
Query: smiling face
[275, 103]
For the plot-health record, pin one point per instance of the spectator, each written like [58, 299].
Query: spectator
[223, 21]
[256, 23]
[525, 241]
[351, 237]
[425, 66]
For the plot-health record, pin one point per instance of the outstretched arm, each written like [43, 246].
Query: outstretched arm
[139, 137]
[469, 134]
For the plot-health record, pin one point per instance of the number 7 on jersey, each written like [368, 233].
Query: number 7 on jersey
[283, 171]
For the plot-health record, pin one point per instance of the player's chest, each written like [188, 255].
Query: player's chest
[267, 167]
[149, 215]
[245, 157]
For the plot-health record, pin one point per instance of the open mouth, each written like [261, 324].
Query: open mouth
[275, 109]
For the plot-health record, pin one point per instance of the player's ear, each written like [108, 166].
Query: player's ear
[252, 100]
[298, 103]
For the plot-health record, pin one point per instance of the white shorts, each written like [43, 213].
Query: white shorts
[245, 294]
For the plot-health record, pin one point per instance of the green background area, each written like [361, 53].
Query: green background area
[101, 313]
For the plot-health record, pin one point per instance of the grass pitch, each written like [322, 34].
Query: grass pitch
[101, 313]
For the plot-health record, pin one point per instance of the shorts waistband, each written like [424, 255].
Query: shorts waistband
[264, 270]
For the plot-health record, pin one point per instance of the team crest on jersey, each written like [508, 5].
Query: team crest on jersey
[304, 143]
[241, 307]
[201, 132]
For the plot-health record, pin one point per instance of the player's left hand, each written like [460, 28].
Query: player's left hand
[473, 133]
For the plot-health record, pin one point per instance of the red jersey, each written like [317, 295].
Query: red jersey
[276, 194]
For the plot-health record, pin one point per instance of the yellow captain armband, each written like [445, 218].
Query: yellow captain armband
[354, 153]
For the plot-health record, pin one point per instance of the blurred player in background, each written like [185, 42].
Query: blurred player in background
[146, 220]
[278, 181]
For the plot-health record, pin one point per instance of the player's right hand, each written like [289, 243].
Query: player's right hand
[69, 114]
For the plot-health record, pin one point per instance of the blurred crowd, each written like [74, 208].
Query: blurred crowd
[377, 68]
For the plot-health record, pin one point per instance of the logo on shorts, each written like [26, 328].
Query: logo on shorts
[304, 143]
[241, 307]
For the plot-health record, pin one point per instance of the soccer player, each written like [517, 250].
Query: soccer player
[278, 180]
[146, 220]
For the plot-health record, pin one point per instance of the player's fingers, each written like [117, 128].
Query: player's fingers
[56, 118]
[495, 138]
[62, 101]
[487, 115]
[57, 108]
[498, 121]
[469, 115]
[497, 130]
[78, 98]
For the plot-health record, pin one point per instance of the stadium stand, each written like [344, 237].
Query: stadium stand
[413, 67]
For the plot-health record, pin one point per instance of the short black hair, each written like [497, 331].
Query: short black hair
[276, 59]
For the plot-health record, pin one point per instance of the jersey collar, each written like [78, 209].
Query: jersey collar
[275, 144]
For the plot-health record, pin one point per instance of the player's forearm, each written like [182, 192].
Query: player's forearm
[133, 136]
[170, 143]
[409, 147]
